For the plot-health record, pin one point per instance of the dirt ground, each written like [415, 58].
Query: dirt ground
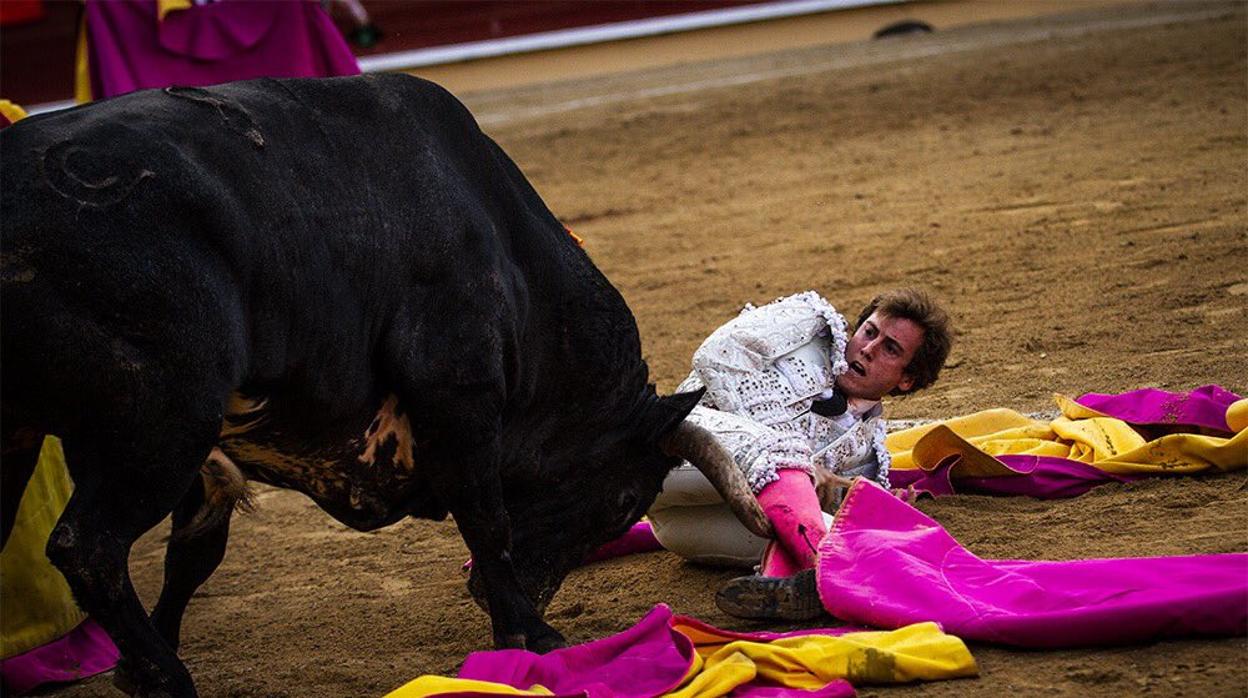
[1073, 188]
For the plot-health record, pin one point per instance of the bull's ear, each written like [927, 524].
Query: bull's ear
[665, 413]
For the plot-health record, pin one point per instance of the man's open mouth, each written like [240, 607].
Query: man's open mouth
[857, 368]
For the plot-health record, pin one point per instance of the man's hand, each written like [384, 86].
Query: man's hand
[826, 484]
[907, 494]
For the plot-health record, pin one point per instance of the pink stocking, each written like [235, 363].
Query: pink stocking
[792, 505]
[777, 563]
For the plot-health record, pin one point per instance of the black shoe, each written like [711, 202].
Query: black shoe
[784, 598]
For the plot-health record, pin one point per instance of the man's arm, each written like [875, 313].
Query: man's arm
[859, 452]
[831, 487]
[737, 362]
[759, 450]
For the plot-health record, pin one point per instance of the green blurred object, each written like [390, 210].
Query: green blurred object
[365, 36]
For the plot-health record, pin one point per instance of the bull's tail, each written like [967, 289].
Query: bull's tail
[225, 489]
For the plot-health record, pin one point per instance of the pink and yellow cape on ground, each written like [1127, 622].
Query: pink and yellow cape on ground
[671, 655]
[1097, 439]
[884, 564]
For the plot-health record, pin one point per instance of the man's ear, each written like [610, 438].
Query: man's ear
[906, 383]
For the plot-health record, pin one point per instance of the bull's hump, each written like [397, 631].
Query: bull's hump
[90, 176]
[231, 115]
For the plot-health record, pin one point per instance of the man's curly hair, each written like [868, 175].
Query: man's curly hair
[920, 308]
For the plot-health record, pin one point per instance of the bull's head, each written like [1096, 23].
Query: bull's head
[595, 496]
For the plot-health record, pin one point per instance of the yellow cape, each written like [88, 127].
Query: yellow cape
[36, 606]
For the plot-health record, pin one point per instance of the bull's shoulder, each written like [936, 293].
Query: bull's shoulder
[361, 103]
[354, 107]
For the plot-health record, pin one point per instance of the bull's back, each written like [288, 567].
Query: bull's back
[263, 171]
[279, 223]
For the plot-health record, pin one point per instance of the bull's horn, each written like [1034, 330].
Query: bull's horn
[696, 445]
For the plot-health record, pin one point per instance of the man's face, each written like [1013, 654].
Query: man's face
[877, 355]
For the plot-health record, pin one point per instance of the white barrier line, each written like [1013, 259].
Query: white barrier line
[563, 38]
[485, 118]
[893, 426]
[50, 106]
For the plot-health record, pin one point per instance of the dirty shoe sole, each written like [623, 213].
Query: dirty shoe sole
[784, 598]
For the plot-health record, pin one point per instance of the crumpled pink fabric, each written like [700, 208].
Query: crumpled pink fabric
[1042, 477]
[638, 539]
[648, 659]
[886, 564]
[1203, 407]
[85, 651]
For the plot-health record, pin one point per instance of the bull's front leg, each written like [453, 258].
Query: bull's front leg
[468, 481]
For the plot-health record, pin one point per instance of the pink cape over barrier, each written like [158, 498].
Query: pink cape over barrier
[130, 49]
[649, 659]
[886, 564]
[1047, 477]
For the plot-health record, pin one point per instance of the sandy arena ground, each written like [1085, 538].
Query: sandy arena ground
[1074, 188]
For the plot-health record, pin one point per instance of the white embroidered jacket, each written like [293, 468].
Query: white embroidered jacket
[762, 370]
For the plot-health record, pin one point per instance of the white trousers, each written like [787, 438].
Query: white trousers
[690, 519]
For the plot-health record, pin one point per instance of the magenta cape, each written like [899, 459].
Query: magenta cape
[638, 539]
[1042, 477]
[1205, 406]
[649, 659]
[85, 651]
[884, 563]
[204, 45]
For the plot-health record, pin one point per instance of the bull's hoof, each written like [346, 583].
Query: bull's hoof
[123, 681]
[540, 640]
[509, 642]
[177, 686]
[547, 641]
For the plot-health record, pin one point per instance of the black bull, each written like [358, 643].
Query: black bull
[338, 286]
